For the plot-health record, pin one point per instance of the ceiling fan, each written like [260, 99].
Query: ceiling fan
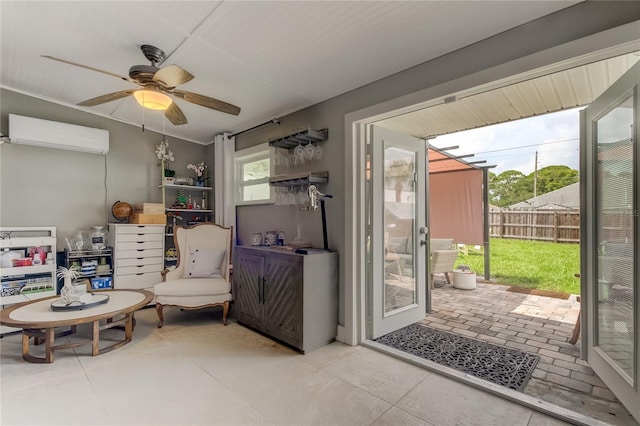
[157, 84]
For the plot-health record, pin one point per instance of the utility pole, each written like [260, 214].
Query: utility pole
[535, 177]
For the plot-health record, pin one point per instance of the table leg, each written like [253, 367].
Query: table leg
[128, 327]
[48, 334]
[49, 337]
[95, 338]
[25, 345]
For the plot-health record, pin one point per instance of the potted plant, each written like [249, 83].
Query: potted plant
[165, 155]
[199, 170]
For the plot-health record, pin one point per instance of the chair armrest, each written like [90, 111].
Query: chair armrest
[170, 274]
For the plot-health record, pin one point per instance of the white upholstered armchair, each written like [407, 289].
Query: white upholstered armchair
[201, 277]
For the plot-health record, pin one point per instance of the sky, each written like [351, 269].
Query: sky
[512, 145]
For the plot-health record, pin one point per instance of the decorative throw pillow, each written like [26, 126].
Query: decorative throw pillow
[204, 263]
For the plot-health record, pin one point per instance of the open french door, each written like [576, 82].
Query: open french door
[399, 234]
[610, 169]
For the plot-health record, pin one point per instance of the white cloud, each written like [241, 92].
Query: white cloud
[512, 145]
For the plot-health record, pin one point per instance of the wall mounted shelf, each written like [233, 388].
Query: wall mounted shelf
[299, 179]
[302, 137]
[174, 186]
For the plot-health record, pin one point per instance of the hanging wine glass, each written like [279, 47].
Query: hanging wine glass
[309, 151]
[291, 196]
[298, 153]
[303, 196]
[277, 158]
[317, 151]
[282, 200]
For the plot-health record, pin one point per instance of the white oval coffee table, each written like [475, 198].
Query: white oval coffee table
[38, 320]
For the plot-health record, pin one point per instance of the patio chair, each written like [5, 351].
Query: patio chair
[442, 261]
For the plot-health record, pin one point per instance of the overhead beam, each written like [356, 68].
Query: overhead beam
[457, 157]
[447, 148]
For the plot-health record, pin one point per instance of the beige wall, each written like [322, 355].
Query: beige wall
[73, 190]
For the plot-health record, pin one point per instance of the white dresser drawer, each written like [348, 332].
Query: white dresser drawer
[135, 254]
[132, 270]
[140, 229]
[140, 281]
[137, 261]
[140, 245]
[126, 238]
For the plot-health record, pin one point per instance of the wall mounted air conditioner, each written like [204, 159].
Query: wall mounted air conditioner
[52, 134]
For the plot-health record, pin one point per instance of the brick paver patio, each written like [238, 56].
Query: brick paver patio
[536, 324]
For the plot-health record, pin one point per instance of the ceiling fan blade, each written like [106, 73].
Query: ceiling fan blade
[106, 98]
[172, 76]
[90, 68]
[207, 102]
[175, 115]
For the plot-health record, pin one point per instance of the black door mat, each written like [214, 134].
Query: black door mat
[503, 366]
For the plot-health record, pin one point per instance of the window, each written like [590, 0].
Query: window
[253, 168]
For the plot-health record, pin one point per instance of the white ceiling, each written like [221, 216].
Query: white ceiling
[270, 58]
[573, 87]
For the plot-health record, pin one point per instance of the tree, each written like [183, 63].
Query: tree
[551, 178]
[509, 187]
[512, 186]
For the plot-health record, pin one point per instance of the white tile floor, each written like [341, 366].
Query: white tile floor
[196, 371]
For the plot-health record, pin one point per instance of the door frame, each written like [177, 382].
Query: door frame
[599, 46]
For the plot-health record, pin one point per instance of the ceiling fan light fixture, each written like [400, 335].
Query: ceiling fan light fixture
[152, 99]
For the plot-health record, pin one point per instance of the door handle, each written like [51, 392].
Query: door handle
[423, 230]
[261, 289]
[423, 242]
[264, 284]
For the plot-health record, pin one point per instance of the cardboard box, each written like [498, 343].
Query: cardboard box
[142, 218]
[149, 208]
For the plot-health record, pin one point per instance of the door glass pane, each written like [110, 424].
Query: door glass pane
[399, 226]
[615, 236]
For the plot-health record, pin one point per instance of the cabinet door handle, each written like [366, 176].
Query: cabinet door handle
[259, 289]
[264, 292]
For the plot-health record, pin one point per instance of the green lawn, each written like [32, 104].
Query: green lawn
[533, 264]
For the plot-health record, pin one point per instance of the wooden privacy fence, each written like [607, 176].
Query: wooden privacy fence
[546, 225]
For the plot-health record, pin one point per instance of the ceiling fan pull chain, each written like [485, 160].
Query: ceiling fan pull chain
[143, 117]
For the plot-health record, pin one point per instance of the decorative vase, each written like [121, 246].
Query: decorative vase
[199, 183]
[68, 291]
